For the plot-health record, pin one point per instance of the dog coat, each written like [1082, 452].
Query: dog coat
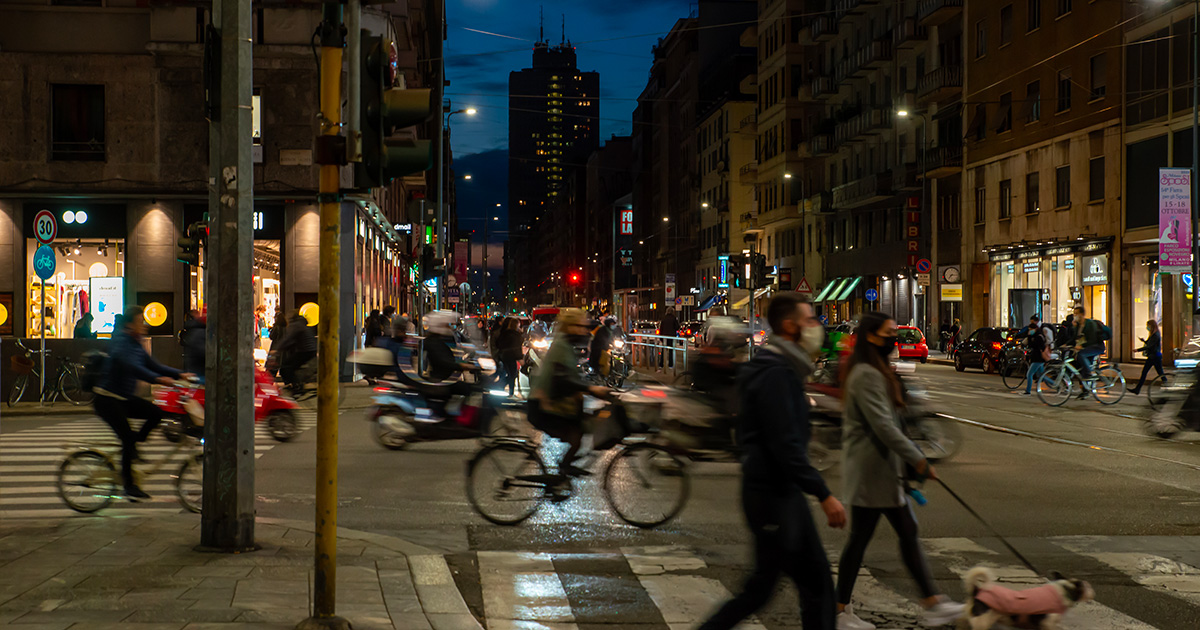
[1041, 600]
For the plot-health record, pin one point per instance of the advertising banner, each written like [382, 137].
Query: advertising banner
[108, 299]
[1174, 220]
[461, 258]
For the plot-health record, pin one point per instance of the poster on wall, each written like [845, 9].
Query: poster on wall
[1174, 220]
[461, 253]
[108, 300]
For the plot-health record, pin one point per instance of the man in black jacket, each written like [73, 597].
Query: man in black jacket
[298, 346]
[774, 430]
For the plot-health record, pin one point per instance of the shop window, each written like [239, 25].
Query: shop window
[89, 278]
[1034, 15]
[1006, 198]
[1062, 187]
[77, 122]
[1006, 14]
[1099, 76]
[1033, 192]
[1096, 179]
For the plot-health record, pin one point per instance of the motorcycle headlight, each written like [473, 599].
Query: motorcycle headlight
[487, 364]
[541, 344]
[618, 344]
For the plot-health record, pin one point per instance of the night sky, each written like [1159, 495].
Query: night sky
[612, 37]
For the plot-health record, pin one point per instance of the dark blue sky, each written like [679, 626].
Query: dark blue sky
[612, 37]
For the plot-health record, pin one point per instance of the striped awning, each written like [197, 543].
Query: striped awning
[848, 287]
[829, 288]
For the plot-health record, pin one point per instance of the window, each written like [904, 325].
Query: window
[77, 122]
[1064, 89]
[1033, 192]
[1096, 179]
[1064, 7]
[1035, 15]
[1004, 116]
[1062, 186]
[980, 38]
[980, 204]
[1006, 25]
[1099, 72]
[1005, 198]
[1033, 101]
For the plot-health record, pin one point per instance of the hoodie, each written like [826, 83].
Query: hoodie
[773, 427]
[127, 363]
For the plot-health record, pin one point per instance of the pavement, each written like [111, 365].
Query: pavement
[145, 574]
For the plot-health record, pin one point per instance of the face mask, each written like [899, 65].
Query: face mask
[812, 338]
[889, 344]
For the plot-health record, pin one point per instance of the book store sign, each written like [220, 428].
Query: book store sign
[1095, 270]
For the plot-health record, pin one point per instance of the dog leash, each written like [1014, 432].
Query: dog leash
[988, 525]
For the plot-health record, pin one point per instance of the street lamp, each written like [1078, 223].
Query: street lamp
[467, 177]
[441, 208]
[904, 113]
[787, 175]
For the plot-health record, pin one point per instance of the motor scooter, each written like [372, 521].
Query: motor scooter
[270, 406]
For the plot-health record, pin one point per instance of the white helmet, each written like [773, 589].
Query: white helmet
[440, 322]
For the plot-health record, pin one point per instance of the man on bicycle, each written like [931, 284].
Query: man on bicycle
[297, 347]
[1088, 344]
[116, 402]
[556, 396]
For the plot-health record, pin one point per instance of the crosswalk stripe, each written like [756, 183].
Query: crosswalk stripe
[685, 599]
[522, 587]
[1155, 572]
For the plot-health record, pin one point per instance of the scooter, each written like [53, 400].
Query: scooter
[184, 405]
[536, 348]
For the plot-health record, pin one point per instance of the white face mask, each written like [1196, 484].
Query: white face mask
[812, 338]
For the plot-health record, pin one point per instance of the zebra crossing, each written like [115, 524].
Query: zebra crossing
[29, 462]
[676, 588]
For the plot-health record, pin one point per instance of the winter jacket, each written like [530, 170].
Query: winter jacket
[558, 383]
[874, 446]
[127, 363]
[1153, 346]
[442, 364]
[773, 429]
[508, 345]
[299, 337]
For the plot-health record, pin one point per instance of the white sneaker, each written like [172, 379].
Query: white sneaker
[847, 620]
[942, 613]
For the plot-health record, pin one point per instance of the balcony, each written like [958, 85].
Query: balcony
[877, 120]
[906, 178]
[847, 8]
[823, 29]
[908, 34]
[749, 124]
[823, 87]
[821, 144]
[775, 215]
[820, 202]
[943, 161]
[748, 174]
[935, 12]
[869, 189]
[940, 84]
[878, 53]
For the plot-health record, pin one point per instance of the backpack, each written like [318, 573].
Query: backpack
[93, 367]
[1103, 332]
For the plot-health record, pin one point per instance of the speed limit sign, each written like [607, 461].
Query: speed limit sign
[45, 228]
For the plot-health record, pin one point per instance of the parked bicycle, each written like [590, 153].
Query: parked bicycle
[65, 382]
[1107, 384]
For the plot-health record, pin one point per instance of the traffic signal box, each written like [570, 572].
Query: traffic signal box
[385, 108]
[195, 236]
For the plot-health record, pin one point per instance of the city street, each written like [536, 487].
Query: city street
[1090, 497]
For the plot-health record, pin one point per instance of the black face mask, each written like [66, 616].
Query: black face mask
[889, 344]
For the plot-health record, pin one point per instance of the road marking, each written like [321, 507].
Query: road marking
[684, 599]
[522, 587]
[1155, 572]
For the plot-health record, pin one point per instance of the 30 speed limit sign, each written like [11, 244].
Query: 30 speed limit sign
[45, 228]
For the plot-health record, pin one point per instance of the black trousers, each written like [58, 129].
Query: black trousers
[116, 413]
[1151, 362]
[511, 373]
[292, 364]
[785, 541]
[862, 527]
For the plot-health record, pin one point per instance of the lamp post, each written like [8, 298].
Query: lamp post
[903, 113]
[439, 232]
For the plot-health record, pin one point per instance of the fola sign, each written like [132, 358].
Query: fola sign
[1095, 270]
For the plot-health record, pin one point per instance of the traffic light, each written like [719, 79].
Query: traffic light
[758, 270]
[383, 109]
[574, 278]
[428, 270]
[190, 243]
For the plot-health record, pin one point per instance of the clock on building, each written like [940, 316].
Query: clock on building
[950, 274]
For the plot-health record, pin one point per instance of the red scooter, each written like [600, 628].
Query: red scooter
[270, 406]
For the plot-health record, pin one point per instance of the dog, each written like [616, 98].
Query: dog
[1037, 608]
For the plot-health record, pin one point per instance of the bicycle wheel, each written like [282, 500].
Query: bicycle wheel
[1013, 372]
[189, 483]
[938, 438]
[18, 389]
[282, 425]
[88, 481]
[1109, 386]
[820, 456]
[1054, 388]
[506, 481]
[1155, 391]
[646, 485]
[72, 389]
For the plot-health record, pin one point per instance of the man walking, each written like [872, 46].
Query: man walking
[774, 430]
[669, 327]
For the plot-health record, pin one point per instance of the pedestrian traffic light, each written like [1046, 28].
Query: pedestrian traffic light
[190, 243]
[383, 109]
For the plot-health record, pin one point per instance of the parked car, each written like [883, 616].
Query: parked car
[982, 349]
[910, 341]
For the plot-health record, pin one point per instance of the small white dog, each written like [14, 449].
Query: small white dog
[1038, 608]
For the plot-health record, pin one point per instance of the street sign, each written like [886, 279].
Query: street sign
[723, 271]
[922, 279]
[923, 265]
[44, 262]
[670, 278]
[45, 227]
[688, 300]
[670, 291]
[804, 286]
[872, 295]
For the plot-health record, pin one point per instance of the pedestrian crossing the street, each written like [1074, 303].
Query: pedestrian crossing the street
[676, 588]
[29, 462]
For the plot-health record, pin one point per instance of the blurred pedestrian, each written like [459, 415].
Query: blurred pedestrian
[875, 452]
[773, 431]
[373, 329]
[1152, 348]
[385, 319]
[193, 338]
[83, 327]
[668, 327]
[260, 324]
[278, 328]
[508, 352]
[1039, 354]
[297, 347]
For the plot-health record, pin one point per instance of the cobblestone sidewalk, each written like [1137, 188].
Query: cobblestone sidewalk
[144, 574]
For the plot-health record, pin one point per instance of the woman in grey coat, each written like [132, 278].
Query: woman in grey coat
[876, 450]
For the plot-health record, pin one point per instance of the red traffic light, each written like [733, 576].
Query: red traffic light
[574, 277]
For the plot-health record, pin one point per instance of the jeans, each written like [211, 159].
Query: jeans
[862, 527]
[116, 413]
[1084, 359]
[1036, 370]
[1155, 362]
[785, 541]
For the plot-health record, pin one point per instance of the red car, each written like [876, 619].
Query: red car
[910, 341]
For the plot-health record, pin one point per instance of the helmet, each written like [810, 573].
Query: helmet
[440, 322]
[570, 317]
[610, 321]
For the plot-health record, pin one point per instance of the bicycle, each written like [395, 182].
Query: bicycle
[1107, 384]
[65, 382]
[1013, 366]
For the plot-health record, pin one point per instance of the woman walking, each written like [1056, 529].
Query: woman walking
[876, 451]
[1152, 348]
[508, 350]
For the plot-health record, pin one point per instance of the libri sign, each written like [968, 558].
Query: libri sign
[1174, 220]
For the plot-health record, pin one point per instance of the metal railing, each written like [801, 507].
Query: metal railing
[658, 353]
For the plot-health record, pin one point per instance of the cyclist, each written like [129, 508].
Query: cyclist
[1088, 343]
[556, 396]
[116, 402]
[298, 346]
[598, 351]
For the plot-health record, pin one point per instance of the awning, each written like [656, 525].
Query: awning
[824, 294]
[757, 294]
[849, 287]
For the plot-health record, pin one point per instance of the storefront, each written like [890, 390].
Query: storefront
[1049, 280]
